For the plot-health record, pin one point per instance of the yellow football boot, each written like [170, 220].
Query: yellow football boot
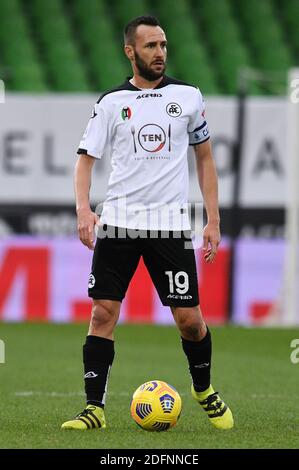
[218, 412]
[92, 417]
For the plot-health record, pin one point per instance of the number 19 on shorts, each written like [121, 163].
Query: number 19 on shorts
[178, 283]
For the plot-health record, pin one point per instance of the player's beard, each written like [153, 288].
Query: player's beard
[145, 71]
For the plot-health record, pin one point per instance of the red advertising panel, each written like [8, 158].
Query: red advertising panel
[46, 280]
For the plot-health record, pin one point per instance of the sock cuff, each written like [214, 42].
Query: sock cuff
[97, 349]
[91, 339]
[95, 403]
[192, 345]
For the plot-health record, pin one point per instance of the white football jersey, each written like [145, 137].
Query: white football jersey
[147, 133]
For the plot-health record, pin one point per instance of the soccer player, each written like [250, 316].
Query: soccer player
[147, 124]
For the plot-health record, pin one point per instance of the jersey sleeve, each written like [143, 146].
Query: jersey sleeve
[95, 137]
[198, 128]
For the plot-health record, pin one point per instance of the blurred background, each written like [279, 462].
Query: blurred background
[56, 58]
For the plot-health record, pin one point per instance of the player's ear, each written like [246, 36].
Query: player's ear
[129, 51]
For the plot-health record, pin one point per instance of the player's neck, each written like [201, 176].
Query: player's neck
[140, 82]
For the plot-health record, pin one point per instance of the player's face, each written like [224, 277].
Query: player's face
[150, 51]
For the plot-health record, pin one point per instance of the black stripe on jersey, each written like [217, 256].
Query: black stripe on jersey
[200, 127]
[172, 81]
[82, 152]
[201, 142]
[127, 85]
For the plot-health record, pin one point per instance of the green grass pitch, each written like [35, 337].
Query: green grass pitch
[42, 386]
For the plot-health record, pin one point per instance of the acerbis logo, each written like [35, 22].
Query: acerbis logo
[126, 113]
[173, 110]
[152, 137]
[91, 281]
[182, 297]
[90, 375]
[149, 95]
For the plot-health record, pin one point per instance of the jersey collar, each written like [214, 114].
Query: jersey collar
[165, 81]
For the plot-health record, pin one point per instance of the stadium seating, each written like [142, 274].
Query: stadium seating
[58, 45]
[22, 70]
[76, 45]
[263, 35]
[187, 52]
[125, 11]
[100, 51]
[288, 13]
[226, 49]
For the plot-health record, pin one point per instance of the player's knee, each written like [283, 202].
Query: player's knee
[191, 331]
[190, 324]
[103, 313]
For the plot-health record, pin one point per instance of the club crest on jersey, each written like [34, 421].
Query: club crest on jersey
[126, 113]
[152, 138]
[91, 281]
[173, 110]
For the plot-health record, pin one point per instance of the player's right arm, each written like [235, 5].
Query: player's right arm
[91, 147]
[86, 219]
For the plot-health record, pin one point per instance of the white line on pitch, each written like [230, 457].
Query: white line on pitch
[37, 393]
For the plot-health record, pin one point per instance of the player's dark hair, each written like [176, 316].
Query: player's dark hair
[130, 29]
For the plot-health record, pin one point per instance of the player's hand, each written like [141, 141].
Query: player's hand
[211, 240]
[86, 223]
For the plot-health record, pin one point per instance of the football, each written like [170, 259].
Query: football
[156, 406]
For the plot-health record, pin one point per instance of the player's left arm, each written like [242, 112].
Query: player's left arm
[208, 182]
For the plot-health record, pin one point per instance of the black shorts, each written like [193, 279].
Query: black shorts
[170, 264]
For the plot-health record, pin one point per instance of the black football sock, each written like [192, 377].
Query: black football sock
[199, 355]
[98, 355]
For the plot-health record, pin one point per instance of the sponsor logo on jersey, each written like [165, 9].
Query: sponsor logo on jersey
[149, 95]
[126, 113]
[91, 281]
[173, 110]
[177, 296]
[152, 137]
